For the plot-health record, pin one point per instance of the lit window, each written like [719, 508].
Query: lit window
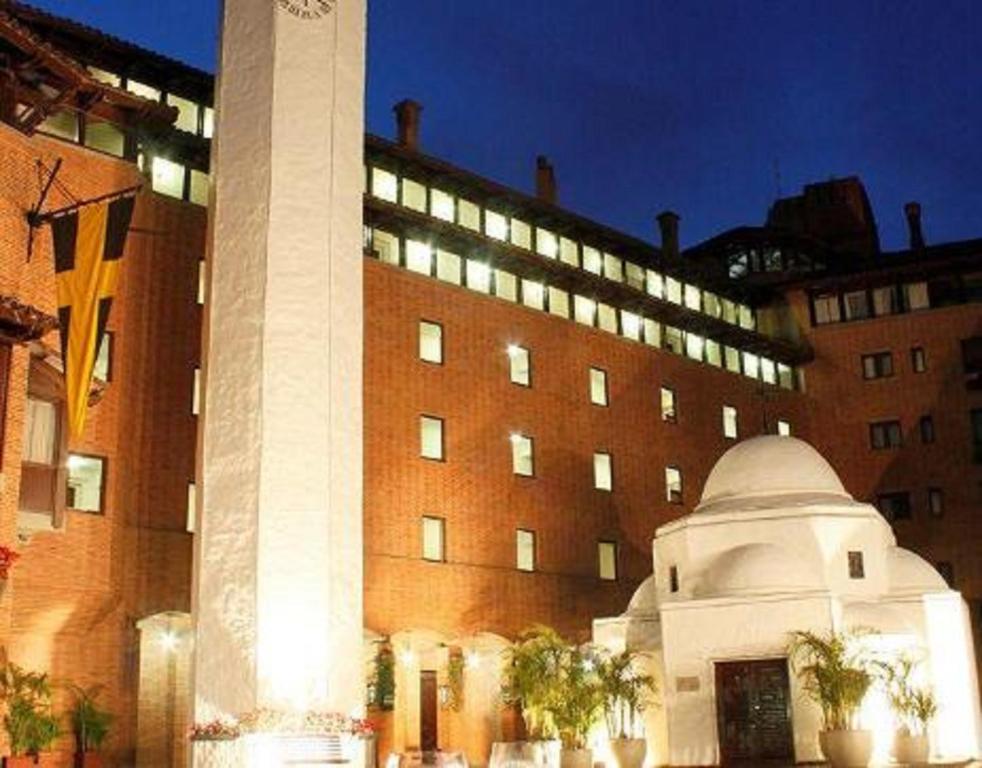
[630, 325]
[546, 243]
[918, 360]
[469, 215]
[386, 246]
[102, 76]
[916, 296]
[784, 428]
[655, 284]
[40, 432]
[592, 260]
[505, 285]
[202, 276]
[729, 422]
[102, 368]
[558, 302]
[533, 294]
[652, 332]
[886, 301]
[441, 205]
[168, 177]
[104, 137]
[86, 478]
[569, 252]
[673, 485]
[525, 550]
[768, 372]
[668, 406]
[751, 365]
[747, 319]
[208, 123]
[598, 386]
[434, 529]
[878, 365]
[785, 376]
[521, 234]
[935, 502]
[192, 504]
[385, 185]
[713, 353]
[857, 569]
[603, 472]
[613, 268]
[885, 434]
[200, 184]
[419, 257]
[711, 305]
[607, 318]
[693, 297]
[196, 393]
[694, 346]
[187, 113]
[495, 225]
[519, 365]
[140, 89]
[448, 267]
[825, 308]
[431, 437]
[478, 276]
[607, 560]
[414, 195]
[673, 340]
[584, 310]
[522, 455]
[634, 275]
[430, 342]
[732, 357]
[673, 290]
[856, 304]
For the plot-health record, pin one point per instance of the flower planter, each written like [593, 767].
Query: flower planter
[88, 760]
[911, 750]
[847, 749]
[576, 758]
[628, 753]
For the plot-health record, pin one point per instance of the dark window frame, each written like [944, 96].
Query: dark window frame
[419, 328]
[443, 538]
[880, 371]
[617, 568]
[443, 438]
[886, 503]
[857, 564]
[104, 460]
[885, 429]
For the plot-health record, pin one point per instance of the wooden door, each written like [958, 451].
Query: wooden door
[427, 711]
[753, 711]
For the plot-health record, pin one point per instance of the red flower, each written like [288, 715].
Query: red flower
[7, 558]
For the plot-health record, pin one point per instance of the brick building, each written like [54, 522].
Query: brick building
[541, 393]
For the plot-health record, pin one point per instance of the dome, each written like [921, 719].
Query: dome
[908, 572]
[645, 598]
[770, 466]
[758, 569]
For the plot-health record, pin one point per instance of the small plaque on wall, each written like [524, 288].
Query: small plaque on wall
[686, 684]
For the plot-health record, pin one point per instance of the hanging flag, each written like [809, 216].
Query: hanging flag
[88, 249]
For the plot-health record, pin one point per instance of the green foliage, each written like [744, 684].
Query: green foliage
[384, 679]
[915, 707]
[90, 723]
[626, 692]
[581, 698]
[835, 673]
[455, 681]
[29, 721]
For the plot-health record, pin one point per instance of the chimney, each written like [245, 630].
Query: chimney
[407, 122]
[668, 223]
[913, 213]
[545, 180]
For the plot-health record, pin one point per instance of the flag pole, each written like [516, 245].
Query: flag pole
[36, 220]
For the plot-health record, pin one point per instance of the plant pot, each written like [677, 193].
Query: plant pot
[911, 750]
[847, 749]
[628, 753]
[88, 760]
[576, 758]
[20, 761]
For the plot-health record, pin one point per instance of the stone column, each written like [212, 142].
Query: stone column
[278, 550]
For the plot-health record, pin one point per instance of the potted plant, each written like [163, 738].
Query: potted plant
[837, 676]
[30, 724]
[90, 725]
[626, 693]
[914, 707]
[578, 706]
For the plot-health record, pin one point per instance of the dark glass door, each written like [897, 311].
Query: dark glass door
[427, 711]
[753, 710]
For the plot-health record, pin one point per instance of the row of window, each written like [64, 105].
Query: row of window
[480, 277]
[434, 549]
[448, 207]
[879, 365]
[864, 303]
[896, 505]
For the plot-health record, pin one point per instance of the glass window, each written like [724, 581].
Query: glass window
[521, 234]
[434, 529]
[558, 302]
[168, 177]
[713, 353]
[785, 376]
[141, 89]
[478, 276]
[751, 365]
[569, 252]
[603, 472]
[693, 297]
[386, 246]
[730, 314]
[886, 300]
[385, 185]
[613, 268]
[878, 365]
[102, 76]
[729, 422]
[592, 260]
[768, 371]
[607, 318]
[208, 123]
[673, 485]
[102, 368]
[634, 275]
[448, 267]
[694, 346]
[673, 290]
[927, 429]
[419, 257]
[522, 462]
[505, 285]
[414, 195]
[673, 340]
[585, 310]
[533, 294]
[747, 319]
[104, 137]
[40, 432]
[431, 437]
[784, 428]
[732, 357]
[918, 360]
[598, 386]
[935, 502]
[468, 215]
[826, 308]
[430, 342]
[673, 579]
[916, 296]
[495, 225]
[86, 478]
[655, 284]
[519, 365]
[187, 113]
[200, 184]
[856, 568]
[856, 304]
[191, 517]
[630, 325]
[885, 434]
[607, 560]
[711, 305]
[525, 550]
[669, 411]
[652, 332]
[201, 282]
[441, 205]
[546, 243]
[196, 393]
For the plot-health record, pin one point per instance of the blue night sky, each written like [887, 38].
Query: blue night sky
[707, 108]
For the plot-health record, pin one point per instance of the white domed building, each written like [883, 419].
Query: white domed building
[776, 545]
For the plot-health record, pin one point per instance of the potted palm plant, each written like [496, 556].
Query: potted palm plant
[836, 674]
[29, 721]
[90, 724]
[578, 706]
[914, 707]
[626, 694]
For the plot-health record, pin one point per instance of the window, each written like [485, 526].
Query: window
[519, 365]
[505, 285]
[208, 123]
[167, 178]
[196, 393]
[878, 365]
[607, 560]
[441, 205]
[86, 480]
[885, 434]
[200, 184]
[584, 310]
[521, 234]
[546, 243]
[751, 365]
[894, 506]
[448, 267]
[430, 342]
[145, 91]
[655, 285]
[431, 437]
[187, 113]
[693, 297]
[603, 472]
[102, 368]
[856, 304]
[201, 283]
[478, 276]
[522, 461]
[414, 195]
[569, 252]
[916, 296]
[673, 485]
[947, 571]
[669, 411]
[673, 290]
[784, 428]
[825, 308]
[630, 325]
[558, 302]
[598, 387]
[434, 539]
[525, 550]
[886, 301]
[607, 318]
[533, 294]
[385, 185]
[857, 569]
[613, 268]
[419, 257]
[673, 579]
[495, 225]
[40, 432]
[386, 246]
[592, 260]
[192, 503]
[673, 340]
[935, 502]
[468, 215]
[694, 345]
[634, 275]
[729, 422]
[104, 137]
[713, 353]
[732, 358]
[927, 429]
[918, 362]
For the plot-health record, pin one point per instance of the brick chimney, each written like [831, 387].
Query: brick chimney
[912, 211]
[407, 123]
[668, 223]
[545, 180]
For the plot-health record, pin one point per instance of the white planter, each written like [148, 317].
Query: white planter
[911, 750]
[217, 754]
[524, 754]
[628, 753]
[576, 758]
[847, 749]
